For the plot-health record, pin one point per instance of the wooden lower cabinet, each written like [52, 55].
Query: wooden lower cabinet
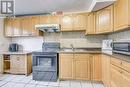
[78, 66]
[20, 64]
[66, 66]
[126, 78]
[96, 65]
[116, 77]
[120, 76]
[82, 66]
[106, 70]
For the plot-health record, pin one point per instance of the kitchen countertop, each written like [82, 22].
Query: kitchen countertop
[80, 50]
[119, 56]
[15, 53]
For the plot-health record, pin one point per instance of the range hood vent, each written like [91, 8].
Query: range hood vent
[48, 27]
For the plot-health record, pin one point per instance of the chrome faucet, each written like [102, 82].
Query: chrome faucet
[72, 47]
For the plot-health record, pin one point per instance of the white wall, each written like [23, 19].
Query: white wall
[29, 43]
[4, 42]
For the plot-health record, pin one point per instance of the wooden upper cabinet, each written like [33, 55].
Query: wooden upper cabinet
[43, 19]
[96, 65]
[16, 25]
[121, 14]
[25, 23]
[91, 24]
[80, 21]
[104, 20]
[67, 22]
[54, 19]
[34, 21]
[49, 19]
[82, 66]
[66, 66]
[8, 27]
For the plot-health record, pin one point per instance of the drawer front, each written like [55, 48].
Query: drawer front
[85, 57]
[126, 66]
[116, 62]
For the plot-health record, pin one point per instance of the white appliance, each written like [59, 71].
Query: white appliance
[107, 46]
[48, 27]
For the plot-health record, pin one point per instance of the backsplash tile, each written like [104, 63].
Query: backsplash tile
[119, 36]
[78, 39]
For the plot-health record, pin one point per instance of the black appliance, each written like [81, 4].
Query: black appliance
[121, 48]
[13, 47]
[45, 62]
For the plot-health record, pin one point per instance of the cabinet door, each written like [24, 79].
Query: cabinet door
[44, 19]
[96, 67]
[54, 19]
[25, 23]
[14, 64]
[67, 22]
[22, 63]
[121, 14]
[106, 70]
[17, 31]
[66, 66]
[8, 27]
[80, 21]
[91, 24]
[34, 21]
[104, 20]
[82, 66]
[116, 77]
[18, 64]
[126, 78]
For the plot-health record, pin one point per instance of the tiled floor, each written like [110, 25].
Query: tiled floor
[7, 80]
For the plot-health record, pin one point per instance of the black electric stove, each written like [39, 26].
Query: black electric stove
[45, 62]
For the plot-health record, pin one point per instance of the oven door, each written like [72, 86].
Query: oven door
[45, 63]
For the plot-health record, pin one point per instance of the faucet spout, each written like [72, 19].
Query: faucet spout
[72, 47]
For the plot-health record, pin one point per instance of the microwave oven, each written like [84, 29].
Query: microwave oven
[121, 47]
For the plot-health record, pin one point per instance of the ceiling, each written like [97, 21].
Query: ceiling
[45, 6]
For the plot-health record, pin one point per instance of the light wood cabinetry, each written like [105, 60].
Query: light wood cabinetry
[19, 64]
[80, 21]
[67, 22]
[96, 65]
[34, 20]
[22, 26]
[66, 66]
[16, 25]
[8, 27]
[121, 14]
[91, 26]
[116, 77]
[104, 20]
[120, 74]
[73, 22]
[50, 19]
[25, 23]
[106, 70]
[82, 66]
